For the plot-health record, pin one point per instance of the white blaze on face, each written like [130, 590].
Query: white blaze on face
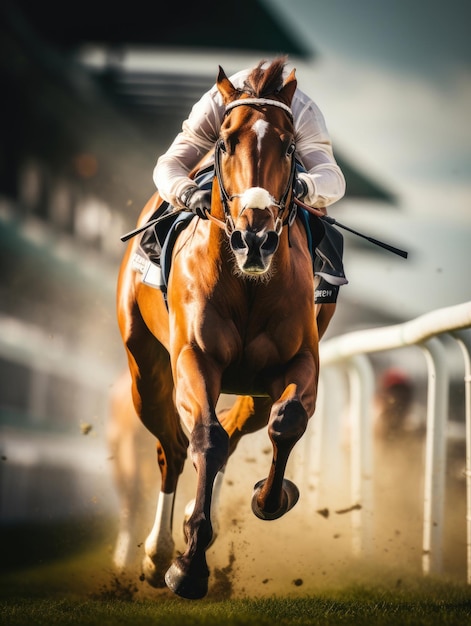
[260, 129]
[257, 197]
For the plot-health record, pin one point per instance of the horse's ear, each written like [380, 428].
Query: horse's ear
[286, 93]
[226, 88]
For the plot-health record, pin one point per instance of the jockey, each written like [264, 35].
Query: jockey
[319, 183]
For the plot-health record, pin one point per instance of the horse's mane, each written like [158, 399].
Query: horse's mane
[263, 82]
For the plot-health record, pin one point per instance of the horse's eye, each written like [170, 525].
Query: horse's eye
[291, 149]
[222, 145]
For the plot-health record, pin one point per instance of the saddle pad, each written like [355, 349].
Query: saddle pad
[181, 221]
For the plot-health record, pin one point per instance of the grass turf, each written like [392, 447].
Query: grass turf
[81, 589]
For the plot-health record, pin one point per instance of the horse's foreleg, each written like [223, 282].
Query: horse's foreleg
[247, 415]
[190, 507]
[209, 444]
[188, 576]
[275, 495]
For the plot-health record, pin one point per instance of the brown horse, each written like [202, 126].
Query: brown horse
[240, 319]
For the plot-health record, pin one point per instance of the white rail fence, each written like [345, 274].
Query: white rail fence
[351, 352]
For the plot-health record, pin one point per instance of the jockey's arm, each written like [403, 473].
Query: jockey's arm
[197, 137]
[324, 179]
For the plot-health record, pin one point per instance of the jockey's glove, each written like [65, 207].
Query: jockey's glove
[197, 200]
[300, 189]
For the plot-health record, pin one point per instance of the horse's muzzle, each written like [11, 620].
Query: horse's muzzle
[254, 251]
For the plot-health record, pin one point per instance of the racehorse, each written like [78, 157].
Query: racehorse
[239, 318]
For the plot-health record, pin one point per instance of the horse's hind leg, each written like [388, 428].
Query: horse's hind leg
[159, 545]
[121, 444]
[123, 451]
[247, 415]
[153, 398]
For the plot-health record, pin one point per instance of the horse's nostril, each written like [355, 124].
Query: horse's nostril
[247, 243]
[237, 241]
[271, 242]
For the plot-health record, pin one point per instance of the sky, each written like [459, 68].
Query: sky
[422, 37]
[406, 66]
[393, 80]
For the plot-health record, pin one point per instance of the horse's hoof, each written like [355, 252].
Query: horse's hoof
[154, 576]
[291, 493]
[189, 587]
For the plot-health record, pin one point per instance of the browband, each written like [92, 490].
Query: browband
[258, 101]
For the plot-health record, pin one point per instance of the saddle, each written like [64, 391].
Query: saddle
[154, 254]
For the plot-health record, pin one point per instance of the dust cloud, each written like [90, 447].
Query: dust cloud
[312, 547]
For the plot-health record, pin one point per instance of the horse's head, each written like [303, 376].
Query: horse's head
[254, 160]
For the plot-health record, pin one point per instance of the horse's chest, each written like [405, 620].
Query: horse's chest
[259, 356]
[266, 349]
[245, 376]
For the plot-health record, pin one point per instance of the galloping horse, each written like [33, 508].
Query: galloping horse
[239, 319]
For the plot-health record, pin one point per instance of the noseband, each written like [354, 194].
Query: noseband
[228, 225]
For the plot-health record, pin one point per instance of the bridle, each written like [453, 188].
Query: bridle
[228, 224]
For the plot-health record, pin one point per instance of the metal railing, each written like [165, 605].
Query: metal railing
[351, 351]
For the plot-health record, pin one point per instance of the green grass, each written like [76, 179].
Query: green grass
[353, 605]
[81, 589]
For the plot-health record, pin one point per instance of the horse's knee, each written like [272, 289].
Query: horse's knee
[209, 444]
[288, 422]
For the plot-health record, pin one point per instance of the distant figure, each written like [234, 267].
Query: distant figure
[393, 405]
[399, 438]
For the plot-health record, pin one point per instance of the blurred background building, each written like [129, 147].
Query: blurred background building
[90, 98]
